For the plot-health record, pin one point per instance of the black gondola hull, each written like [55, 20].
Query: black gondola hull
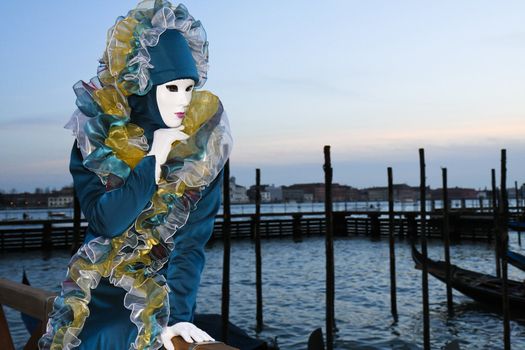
[483, 288]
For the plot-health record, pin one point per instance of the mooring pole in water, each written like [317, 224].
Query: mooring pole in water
[504, 216]
[76, 224]
[226, 224]
[258, 256]
[495, 213]
[446, 237]
[517, 208]
[480, 200]
[423, 215]
[329, 244]
[517, 196]
[393, 294]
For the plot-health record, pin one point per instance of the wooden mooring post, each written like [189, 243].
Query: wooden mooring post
[339, 223]
[480, 201]
[226, 232]
[329, 244]
[411, 225]
[375, 226]
[446, 238]
[258, 256]
[517, 197]
[495, 214]
[76, 224]
[47, 241]
[297, 230]
[423, 215]
[391, 241]
[517, 209]
[504, 216]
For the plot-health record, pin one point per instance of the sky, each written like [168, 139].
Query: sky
[376, 80]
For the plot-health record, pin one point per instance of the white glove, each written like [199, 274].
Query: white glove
[161, 146]
[187, 331]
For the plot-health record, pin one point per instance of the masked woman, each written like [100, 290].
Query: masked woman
[147, 169]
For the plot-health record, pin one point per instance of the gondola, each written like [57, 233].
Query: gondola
[483, 288]
[516, 259]
[517, 225]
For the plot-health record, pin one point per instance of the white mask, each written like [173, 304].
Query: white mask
[173, 99]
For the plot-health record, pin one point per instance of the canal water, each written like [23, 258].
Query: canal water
[293, 291]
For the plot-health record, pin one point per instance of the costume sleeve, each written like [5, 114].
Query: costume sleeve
[187, 258]
[110, 213]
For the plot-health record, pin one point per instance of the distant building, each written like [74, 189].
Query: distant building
[276, 193]
[59, 201]
[23, 200]
[266, 193]
[316, 192]
[484, 194]
[401, 192]
[266, 197]
[237, 192]
[291, 194]
[455, 193]
[39, 199]
[300, 192]
[377, 194]
[340, 193]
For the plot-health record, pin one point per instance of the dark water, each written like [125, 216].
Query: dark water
[293, 291]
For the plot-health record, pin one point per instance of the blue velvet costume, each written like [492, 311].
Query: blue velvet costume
[144, 247]
[109, 213]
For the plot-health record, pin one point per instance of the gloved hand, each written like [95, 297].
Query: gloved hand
[188, 331]
[161, 145]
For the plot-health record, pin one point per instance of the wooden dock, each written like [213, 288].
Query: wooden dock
[464, 224]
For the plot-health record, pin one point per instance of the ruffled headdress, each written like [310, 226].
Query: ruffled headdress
[111, 146]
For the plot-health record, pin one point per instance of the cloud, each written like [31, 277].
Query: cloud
[37, 166]
[297, 147]
[45, 120]
[308, 85]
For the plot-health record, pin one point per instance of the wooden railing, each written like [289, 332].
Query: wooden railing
[32, 301]
[46, 234]
[38, 303]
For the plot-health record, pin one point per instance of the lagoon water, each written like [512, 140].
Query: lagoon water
[293, 292]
